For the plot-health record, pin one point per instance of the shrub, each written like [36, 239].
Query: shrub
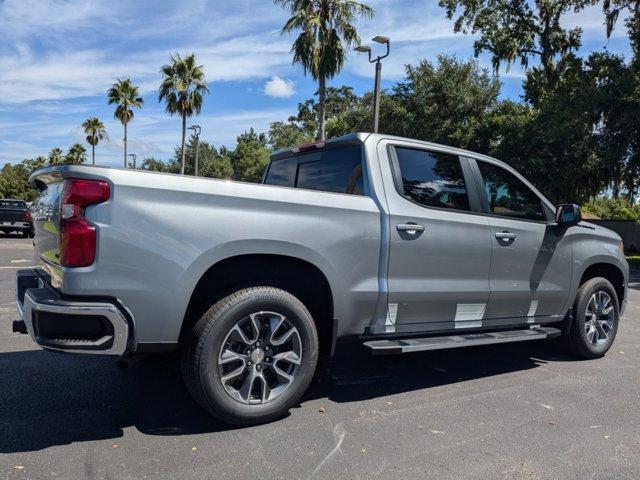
[612, 209]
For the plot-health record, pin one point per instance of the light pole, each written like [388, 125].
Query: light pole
[377, 61]
[196, 131]
[134, 156]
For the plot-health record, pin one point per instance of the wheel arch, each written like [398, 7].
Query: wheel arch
[609, 271]
[300, 277]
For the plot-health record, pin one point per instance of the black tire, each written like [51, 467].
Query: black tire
[577, 339]
[201, 350]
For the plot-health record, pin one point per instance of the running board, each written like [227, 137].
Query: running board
[395, 346]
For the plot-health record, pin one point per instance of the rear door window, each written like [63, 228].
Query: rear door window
[337, 170]
[432, 179]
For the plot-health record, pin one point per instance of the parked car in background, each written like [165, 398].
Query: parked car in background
[15, 217]
[410, 246]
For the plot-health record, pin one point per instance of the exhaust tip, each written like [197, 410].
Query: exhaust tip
[122, 364]
[128, 360]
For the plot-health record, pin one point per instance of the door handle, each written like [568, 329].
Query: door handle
[505, 235]
[410, 228]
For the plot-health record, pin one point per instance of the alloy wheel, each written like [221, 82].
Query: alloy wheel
[599, 318]
[260, 358]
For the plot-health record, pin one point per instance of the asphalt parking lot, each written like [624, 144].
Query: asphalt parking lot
[506, 412]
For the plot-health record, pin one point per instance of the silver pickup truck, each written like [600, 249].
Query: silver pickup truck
[410, 246]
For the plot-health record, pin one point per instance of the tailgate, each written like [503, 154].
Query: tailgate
[9, 216]
[45, 212]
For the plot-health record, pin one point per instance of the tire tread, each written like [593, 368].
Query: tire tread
[193, 348]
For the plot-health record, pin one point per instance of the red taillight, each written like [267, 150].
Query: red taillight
[77, 235]
[27, 216]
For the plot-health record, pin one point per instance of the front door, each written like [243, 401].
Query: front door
[440, 250]
[531, 262]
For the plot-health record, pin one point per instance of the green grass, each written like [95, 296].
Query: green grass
[50, 227]
[634, 261]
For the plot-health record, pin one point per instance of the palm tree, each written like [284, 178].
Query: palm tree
[182, 88]
[76, 154]
[124, 94]
[326, 33]
[94, 131]
[55, 156]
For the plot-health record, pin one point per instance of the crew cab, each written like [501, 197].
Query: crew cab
[15, 217]
[408, 245]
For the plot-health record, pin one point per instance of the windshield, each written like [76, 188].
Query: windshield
[12, 205]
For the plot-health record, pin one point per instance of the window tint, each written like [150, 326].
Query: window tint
[336, 170]
[432, 179]
[508, 196]
[12, 204]
[282, 173]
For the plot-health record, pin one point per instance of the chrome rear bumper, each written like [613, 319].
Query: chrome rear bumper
[69, 326]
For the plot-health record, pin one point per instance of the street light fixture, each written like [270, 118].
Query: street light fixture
[196, 131]
[134, 156]
[376, 91]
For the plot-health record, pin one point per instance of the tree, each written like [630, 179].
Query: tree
[95, 132]
[14, 182]
[124, 94]
[32, 164]
[522, 30]
[76, 154]
[326, 32]
[446, 102]
[56, 156]
[250, 157]
[212, 163]
[154, 165]
[182, 88]
[287, 134]
[343, 112]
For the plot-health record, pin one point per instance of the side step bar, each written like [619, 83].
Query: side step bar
[395, 346]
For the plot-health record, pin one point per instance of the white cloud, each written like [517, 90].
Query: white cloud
[278, 87]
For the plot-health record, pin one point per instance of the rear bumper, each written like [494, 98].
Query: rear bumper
[68, 326]
[16, 226]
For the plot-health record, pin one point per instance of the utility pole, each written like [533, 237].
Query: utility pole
[376, 88]
[134, 156]
[196, 131]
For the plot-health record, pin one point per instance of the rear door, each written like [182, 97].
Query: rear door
[531, 263]
[440, 249]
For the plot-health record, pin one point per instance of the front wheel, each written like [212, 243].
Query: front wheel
[251, 356]
[596, 316]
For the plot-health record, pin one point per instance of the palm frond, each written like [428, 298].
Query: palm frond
[183, 85]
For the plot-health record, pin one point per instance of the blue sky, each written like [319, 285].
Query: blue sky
[58, 58]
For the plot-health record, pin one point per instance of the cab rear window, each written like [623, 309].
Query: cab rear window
[337, 170]
[12, 205]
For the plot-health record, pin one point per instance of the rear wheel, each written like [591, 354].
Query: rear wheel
[596, 317]
[251, 356]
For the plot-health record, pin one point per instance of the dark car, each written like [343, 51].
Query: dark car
[15, 217]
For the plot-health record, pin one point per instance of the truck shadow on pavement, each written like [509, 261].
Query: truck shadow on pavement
[51, 399]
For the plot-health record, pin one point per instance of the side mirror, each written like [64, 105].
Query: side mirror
[568, 215]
